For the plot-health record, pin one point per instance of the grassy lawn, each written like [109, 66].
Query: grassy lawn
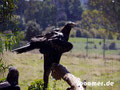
[30, 66]
[79, 45]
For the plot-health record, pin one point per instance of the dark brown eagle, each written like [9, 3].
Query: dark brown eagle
[52, 45]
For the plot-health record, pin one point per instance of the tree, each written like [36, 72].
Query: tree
[71, 9]
[7, 19]
[51, 12]
[20, 12]
[110, 9]
[44, 12]
[78, 33]
[94, 19]
[31, 10]
[76, 10]
[47, 14]
[8, 25]
[32, 29]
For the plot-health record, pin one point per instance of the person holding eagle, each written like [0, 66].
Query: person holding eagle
[52, 45]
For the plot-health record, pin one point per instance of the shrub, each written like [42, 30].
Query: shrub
[2, 80]
[78, 33]
[73, 33]
[32, 29]
[112, 46]
[105, 47]
[100, 43]
[96, 33]
[118, 37]
[86, 34]
[93, 32]
[95, 46]
[110, 36]
[37, 85]
[3, 67]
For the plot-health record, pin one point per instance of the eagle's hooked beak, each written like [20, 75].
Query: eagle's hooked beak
[70, 23]
[73, 24]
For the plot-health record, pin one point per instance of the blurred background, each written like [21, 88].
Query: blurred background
[96, 38]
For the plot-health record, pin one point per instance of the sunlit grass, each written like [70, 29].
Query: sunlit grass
[79, 46]
[30, 66]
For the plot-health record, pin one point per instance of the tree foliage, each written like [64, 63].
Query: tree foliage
[7, 19]
[94, 19]
[50, 12]
[37, 85]
[110, 9]
[8, 25]
[32, 29]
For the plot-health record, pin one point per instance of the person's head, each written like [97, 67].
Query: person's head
[13, 76]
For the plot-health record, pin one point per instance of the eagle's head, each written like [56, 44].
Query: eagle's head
[70, 24]
[67, 28]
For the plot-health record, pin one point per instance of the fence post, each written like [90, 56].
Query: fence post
[87, 47]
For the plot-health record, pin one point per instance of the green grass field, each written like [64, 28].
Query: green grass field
[79, 45]
[30, 66]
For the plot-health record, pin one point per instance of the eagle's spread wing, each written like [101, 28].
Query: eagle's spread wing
[57, 41]
[53, 41]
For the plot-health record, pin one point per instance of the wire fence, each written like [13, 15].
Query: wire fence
[98, 48]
